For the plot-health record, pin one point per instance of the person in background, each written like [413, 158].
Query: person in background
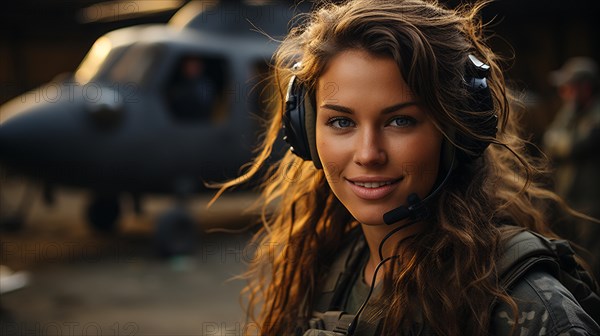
[572, 142]
[192, 95]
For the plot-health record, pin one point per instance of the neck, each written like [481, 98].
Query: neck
[374, 235]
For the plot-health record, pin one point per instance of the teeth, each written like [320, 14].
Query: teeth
[372, 184]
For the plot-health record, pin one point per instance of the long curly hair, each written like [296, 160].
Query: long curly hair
[451, 271]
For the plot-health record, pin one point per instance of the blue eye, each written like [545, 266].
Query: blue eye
[402, 121]
[340, 122]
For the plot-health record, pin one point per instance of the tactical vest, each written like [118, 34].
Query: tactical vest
[523, 252]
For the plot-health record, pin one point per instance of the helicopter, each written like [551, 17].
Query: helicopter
[152, 109]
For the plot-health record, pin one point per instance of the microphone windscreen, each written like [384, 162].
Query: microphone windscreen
[396, 215]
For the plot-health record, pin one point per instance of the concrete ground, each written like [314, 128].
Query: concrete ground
[82, 283]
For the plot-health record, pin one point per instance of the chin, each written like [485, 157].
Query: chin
[372, 223]
[371, 218]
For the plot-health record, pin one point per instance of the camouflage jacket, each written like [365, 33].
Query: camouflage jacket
[545, 307]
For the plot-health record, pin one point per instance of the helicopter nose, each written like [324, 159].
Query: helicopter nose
[53, 130]
[34, 132]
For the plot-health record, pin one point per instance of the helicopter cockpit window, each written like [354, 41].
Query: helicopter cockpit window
[195, 91]
[137, 64]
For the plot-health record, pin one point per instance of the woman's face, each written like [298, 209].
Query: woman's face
[376, 144]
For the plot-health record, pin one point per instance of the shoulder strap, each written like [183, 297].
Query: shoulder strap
[523, 251]
[527, 250]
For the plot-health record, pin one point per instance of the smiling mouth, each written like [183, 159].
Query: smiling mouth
[373, 190]
[374, 185]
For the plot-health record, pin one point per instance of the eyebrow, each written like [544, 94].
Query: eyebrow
[387, 110]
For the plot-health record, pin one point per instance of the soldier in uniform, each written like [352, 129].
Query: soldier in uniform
[572, 143]
[406, 179]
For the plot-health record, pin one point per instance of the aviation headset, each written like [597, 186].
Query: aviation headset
[299, 115]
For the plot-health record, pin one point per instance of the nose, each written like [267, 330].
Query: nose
[369, 149]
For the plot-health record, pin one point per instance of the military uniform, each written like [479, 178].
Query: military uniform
[572, 142]
[545, 306]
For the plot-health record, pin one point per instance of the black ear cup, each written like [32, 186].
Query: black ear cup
[294, 120]
[479, 115]
[299, 121]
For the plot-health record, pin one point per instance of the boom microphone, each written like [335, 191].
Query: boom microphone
[416, 208]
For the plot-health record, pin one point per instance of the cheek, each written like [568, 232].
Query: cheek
[331, 158]
[333, 153]
[328, 147]
[419, 157]
[432, 165]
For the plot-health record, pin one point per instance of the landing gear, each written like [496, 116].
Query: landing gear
[103, 212]
[176, 232]
[16, 198]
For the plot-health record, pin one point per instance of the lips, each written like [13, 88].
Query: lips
[372, 188]
[372, 185]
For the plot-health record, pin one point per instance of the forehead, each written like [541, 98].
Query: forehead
[357, 73]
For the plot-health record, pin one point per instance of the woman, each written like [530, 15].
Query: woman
[389, 103]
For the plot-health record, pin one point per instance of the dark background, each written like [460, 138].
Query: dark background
[40, 39]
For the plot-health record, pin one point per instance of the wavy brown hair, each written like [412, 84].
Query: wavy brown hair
[452, 265]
